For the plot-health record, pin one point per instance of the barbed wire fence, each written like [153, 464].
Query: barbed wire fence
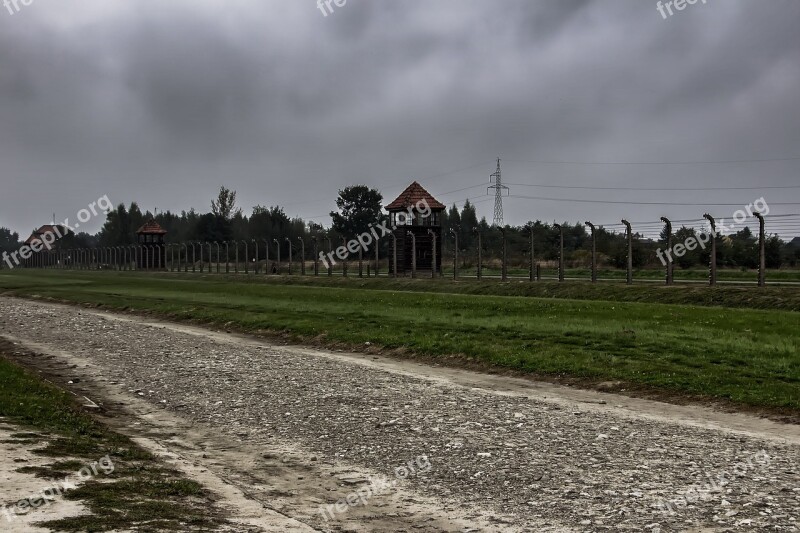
[597, 252]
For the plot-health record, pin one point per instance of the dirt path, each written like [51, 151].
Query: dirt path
[16, 486]
[290, 429]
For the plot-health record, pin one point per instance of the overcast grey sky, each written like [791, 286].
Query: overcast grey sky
[162, 102]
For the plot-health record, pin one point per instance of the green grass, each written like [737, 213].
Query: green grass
[769, 298]
[742, 355]
[139, 493]
[644, 274]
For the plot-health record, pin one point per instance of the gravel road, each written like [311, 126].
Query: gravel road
[520, 461]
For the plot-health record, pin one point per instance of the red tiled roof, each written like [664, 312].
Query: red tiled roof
[51, 228]
[57, 231]
[413, 194]
[151, 228]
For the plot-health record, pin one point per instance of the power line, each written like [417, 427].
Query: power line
[633, 163]
[449, 172]
[392, 187]
[636, 203]
[461, 190]
[455, 171]
[654, 188]
[475, 200]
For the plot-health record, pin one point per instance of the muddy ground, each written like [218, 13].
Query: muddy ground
[284, 432]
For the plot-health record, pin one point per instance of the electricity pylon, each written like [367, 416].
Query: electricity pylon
[498, 195]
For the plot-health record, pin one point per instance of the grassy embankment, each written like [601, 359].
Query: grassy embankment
[724, 275]
[674, 340]
[136, 492]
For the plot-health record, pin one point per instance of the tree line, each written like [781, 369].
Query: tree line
[359, 206]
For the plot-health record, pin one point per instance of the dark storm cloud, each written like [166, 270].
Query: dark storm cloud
[198, 91]
[162, 104]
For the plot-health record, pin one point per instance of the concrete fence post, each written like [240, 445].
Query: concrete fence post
[302, 256]
[278, 254]
[330, 263]
[762, 250]
[433, 262]
[266, 257]
[504, 270]
[560, 229]
[413, 254]
[629, 262]
[712, 267]
[314, 246]
[670, 263]
[344, 262]
[532, 273]
[235, 256]
[289, 242]
[454, 233]
[255, 245]
[480, 252]
[594, 250]
[394, 255]
[227, 257]
[377, 255]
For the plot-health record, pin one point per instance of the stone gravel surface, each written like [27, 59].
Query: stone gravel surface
[532, 461]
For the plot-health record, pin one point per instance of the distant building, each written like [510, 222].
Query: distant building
[154, 255]
[795, 242]
[417, 212]
[44, 244]
[57, 232]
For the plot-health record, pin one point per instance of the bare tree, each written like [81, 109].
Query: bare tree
[225, 204]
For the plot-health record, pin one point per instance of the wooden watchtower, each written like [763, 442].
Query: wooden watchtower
[154, 256]
[416, 211]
